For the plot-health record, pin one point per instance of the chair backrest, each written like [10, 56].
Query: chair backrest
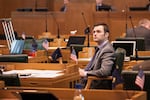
[10, 79]
[37, 96]
[120, 55]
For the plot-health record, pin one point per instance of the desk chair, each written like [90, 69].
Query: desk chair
[37, 95]
[118, 65]
[10, 79]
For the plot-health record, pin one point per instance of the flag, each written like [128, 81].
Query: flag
[140, 79]
[45, 44]
[73, 55]
[56, 54]
[117, 78]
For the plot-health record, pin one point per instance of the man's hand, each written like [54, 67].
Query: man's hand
[82, 72]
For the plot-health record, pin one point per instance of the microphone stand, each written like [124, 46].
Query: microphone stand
[35, 4]
[126, 15]
[58, 34]
[136, 49]
[46, 23]
[87, 31]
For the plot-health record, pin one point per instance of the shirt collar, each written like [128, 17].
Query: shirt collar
[102, 44]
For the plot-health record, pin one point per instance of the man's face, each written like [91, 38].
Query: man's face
[99, 35]
[66, 1]
[99, 1]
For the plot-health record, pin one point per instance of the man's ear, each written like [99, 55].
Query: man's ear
[107, 34]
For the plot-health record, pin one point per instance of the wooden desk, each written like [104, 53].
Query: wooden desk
[68, 94]
[40, 59]
[67, 80]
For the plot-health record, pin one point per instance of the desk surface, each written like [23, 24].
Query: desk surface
[30, 73]
[45, 74]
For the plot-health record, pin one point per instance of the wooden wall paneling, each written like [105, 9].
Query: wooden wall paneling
[75, 17]
[117, 24]
[30, 23]
[57, 5]
[34, 23]
[57, 22]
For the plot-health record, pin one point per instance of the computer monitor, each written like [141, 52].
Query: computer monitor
[104, 8]
[28, 44]
[76, 40]
[21, 58]
[17, 47]
[137, 8]
[140, 42]
[129, 46]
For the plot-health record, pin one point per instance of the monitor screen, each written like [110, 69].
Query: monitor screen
[140, 42]
[104, 8]
[138, 8]
[76, 40]
[129, 46]
[21, 58]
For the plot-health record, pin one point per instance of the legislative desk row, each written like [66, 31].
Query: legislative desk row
[20, 93]
[44, 74]
[33, 23]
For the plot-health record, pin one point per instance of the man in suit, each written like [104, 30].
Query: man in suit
[143, 30]
[101, 64]
[100, 6]
[64, 7]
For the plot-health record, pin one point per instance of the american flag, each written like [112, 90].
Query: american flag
[73, 55]
[45, 44]
[140, 79]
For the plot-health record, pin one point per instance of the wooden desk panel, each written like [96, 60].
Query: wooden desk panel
[68, 94]
[67, 80]
[34, 23]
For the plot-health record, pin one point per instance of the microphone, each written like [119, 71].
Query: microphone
[126, 15]
[87, 30]
[46, 30]
[58, 34]
[134, 32]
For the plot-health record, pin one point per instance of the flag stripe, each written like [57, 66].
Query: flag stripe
[45, 44]
[140, 79]
[73, 55]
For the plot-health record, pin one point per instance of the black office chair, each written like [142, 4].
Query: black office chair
[37, 96]
[10, 79]
[117, 65]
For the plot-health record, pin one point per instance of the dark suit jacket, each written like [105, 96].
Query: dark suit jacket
[140, 31]
[102, 66]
